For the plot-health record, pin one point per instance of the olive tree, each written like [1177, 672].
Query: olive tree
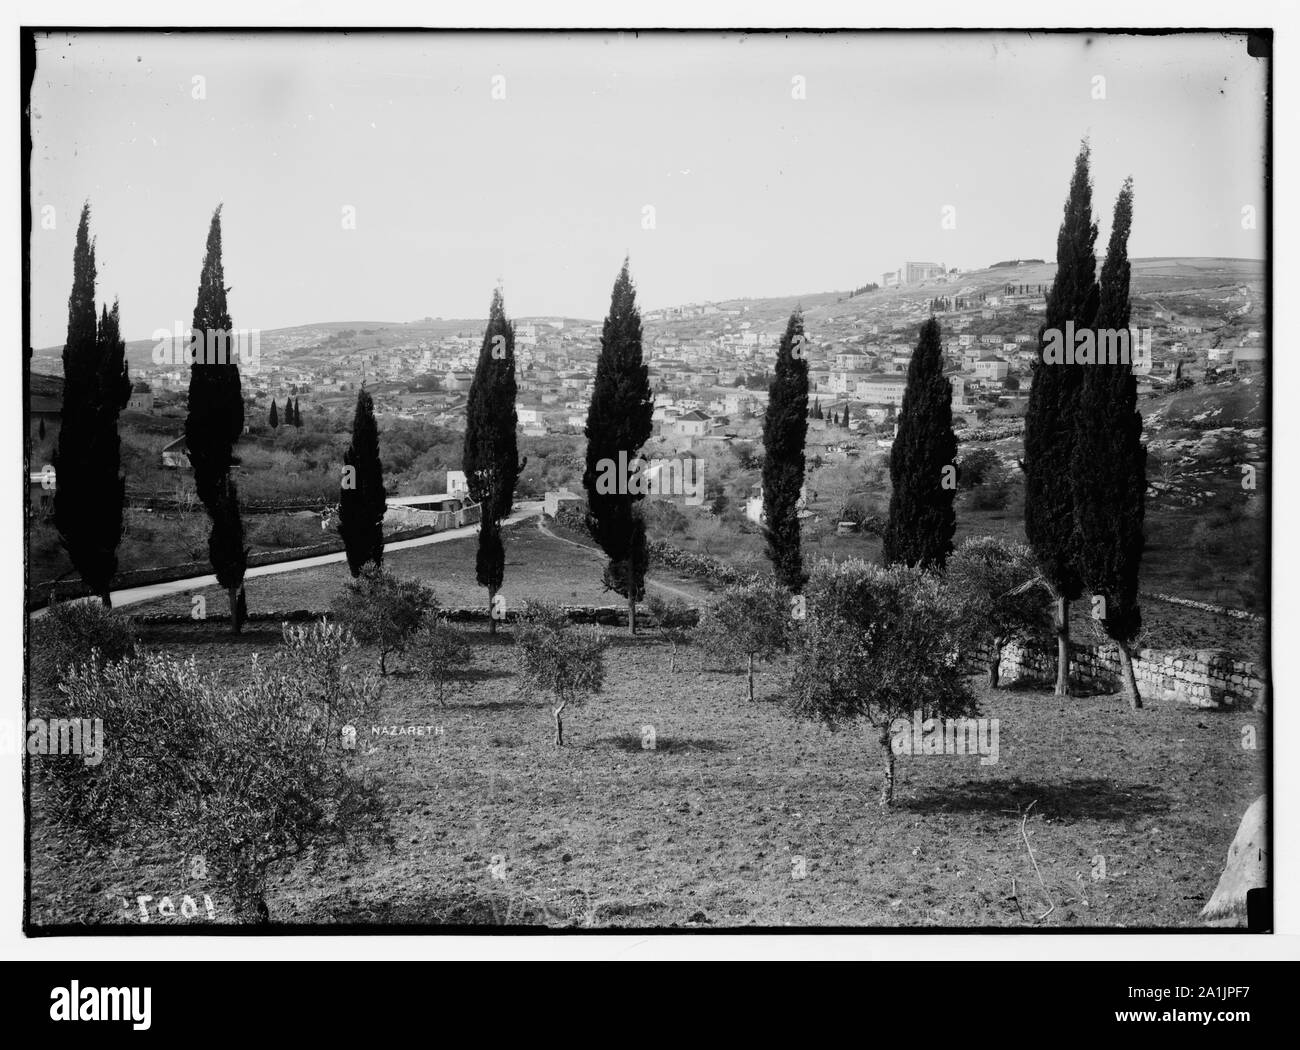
[384, 610]
[439, 654]
[676, 622]
[995, 580]
[247, 776]
[564, 662]
[877, 645]
[751, 620]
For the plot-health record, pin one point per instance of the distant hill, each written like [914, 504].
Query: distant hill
[1208, 278]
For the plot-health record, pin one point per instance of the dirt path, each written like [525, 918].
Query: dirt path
[133, 595]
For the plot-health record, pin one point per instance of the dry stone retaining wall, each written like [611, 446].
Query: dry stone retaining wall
[1209, 678]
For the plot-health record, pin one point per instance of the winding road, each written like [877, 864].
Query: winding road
[133, 595]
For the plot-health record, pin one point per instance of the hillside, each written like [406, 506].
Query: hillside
[1229, 291]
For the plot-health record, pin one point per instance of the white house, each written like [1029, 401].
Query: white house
[990, 366]
[881, 390]
[693, 424]
[457, 485]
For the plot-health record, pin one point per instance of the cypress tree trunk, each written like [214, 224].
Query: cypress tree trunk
[750, 675]
[1130, 679]
[1062, 615]
[492, 617]
[236, 624]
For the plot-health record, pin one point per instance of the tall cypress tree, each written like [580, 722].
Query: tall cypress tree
[297, 413]
[922, 468]
[785, 428]
[1110, 463]
[1050, 416]
[618, 424]
[90, 491]
[361, 493]
[274, 418]
[214, 423]
[73, 515]
[490, 457]
[109, 483]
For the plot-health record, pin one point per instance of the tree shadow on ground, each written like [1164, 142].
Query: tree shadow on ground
[1078, 798]
[470, 704]
[663, 745]
[467, 674]
[1078, 690]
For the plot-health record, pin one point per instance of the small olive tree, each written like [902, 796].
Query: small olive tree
[439, 654]
[383, 610]
[877, 645]
[677, 622]
[564, 662]
[246, 776]
[995, 580]
[750, 619]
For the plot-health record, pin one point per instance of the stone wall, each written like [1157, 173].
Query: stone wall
[1210, 678]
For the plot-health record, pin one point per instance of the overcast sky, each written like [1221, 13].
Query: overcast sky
[755, 192]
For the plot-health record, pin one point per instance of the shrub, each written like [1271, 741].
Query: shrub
[979, 467]
[383, 610]
[246, 776]
[565, 662]
[281, 530]
[439, 653]
[750, 619]
[995, 581]
[878, 645]
[1227, 446]
[990, 496]
[573, 516]
[676, 621]
[75, 632]
[537, 612]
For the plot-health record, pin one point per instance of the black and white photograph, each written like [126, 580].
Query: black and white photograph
[653, 481]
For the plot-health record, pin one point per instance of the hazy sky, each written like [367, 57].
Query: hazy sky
[754, 192]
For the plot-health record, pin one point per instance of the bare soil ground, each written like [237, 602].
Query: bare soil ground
[1131, 819]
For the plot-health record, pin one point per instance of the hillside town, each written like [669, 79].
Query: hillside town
[710, 362]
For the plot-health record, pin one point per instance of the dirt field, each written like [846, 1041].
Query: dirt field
[490, 823]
